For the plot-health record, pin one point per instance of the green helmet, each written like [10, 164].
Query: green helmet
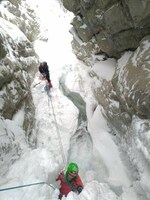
[72, 167]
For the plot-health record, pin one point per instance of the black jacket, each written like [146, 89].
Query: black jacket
[43, 68]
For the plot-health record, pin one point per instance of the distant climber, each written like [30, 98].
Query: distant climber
[70, 180]
[44, 70]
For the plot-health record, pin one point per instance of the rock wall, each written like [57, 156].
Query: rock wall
[18, 64]
[128, 93]
[113, 27]
[109, 26]
[120, 29]
[125, 101]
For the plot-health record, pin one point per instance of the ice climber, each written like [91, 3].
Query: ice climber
[69, 180]
[44, 70]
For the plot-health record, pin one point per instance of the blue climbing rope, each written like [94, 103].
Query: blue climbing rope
[28, 185]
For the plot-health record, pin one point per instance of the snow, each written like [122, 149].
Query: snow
[56, 121]
[14, 32]
[106, 73]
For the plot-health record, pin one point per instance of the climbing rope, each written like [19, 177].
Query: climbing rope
[28, 185]
[56, 124]
[58, 133]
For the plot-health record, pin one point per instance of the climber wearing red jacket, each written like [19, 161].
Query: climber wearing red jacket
[70, 181]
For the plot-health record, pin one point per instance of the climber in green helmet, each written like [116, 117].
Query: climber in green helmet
[70, 180]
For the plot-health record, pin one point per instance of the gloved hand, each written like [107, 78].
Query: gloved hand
[79, 189]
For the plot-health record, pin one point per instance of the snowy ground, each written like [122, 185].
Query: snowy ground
[43, 163]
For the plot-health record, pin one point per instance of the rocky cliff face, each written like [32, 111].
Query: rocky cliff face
[18, 63]
[109, 26]
[128, 93]
[112, 27]
[119, 29]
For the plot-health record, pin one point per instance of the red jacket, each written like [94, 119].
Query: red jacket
[66, 187]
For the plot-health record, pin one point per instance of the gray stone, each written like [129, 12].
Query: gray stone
[117, 25]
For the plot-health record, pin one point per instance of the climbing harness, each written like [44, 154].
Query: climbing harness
[28, 185]
[47, 89]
